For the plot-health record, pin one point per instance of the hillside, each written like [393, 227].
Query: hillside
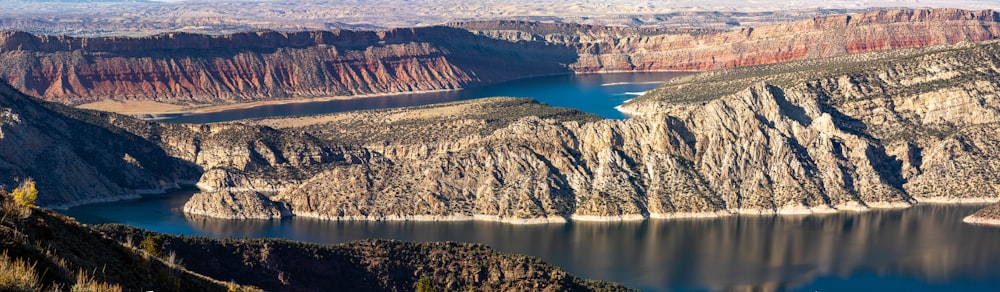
[44, 250]
[193, 70]
[369, 265]
[57, 249]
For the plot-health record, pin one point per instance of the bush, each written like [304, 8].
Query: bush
[17, 275]
[151, 245]
[25, 194]
[85, 283]
[426, 285]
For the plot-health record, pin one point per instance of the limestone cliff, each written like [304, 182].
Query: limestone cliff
[190, 69]
[230, 204]
[848, 133]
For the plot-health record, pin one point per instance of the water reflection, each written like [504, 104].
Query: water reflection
[921, 248]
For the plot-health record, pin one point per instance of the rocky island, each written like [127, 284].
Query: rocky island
[987, 216]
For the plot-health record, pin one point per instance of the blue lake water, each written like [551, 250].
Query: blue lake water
[923, 248]
[593, 93]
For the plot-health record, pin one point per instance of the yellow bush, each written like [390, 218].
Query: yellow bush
[25, 194]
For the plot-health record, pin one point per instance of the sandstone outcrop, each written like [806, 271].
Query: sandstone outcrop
[190, 69]
[186, 68]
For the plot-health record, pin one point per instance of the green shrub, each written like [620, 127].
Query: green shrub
[426, 285]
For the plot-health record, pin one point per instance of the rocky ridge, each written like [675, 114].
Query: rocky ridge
[197, 70]
[76, 162]
[877, 130]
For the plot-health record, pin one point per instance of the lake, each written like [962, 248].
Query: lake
[923, 248]
[593, 93]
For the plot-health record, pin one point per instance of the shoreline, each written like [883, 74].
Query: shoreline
[852, 207]
[168, 114]
[171, 111]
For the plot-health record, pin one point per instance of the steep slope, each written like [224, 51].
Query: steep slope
[58, 248]
[370, 265]
[76, 162]
[203, 69]
[608, 49]
[189, 69]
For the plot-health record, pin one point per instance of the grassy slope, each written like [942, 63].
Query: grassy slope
[370, 265]
[58, 247]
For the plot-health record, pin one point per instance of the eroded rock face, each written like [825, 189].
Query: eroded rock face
[77, 160]
[853, 136]
[185, 68]
[603, 49]
[228, 204]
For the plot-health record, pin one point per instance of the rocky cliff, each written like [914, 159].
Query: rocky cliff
[873, 130]
[185, 68]
[603, 49]
[189, 69]
[77, 162]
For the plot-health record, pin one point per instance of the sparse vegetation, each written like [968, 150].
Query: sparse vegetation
[370, 265]
[17, 275]
[426, 285]
[84, 283]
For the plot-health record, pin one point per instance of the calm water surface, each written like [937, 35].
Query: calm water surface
[593, 93]
[924, 248]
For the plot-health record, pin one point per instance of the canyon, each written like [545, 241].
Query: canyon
[873, 130]
[193, 70]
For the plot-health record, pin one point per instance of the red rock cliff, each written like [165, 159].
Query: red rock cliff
[262, 65]
[817, 37]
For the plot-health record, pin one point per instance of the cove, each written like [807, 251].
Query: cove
[598, 94]
[922, 248]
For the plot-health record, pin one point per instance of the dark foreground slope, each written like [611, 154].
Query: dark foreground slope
[58, 248]
[54, 250]
[370, 265]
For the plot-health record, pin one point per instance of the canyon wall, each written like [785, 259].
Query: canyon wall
[190, 69]
[603, 49]
[875, 130]
[202, 69]
[883, 129]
